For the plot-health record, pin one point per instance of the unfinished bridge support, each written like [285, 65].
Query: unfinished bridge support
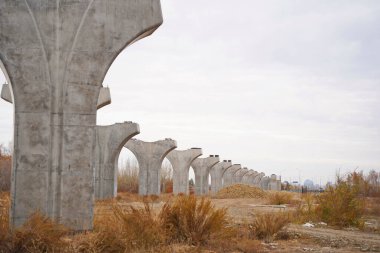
[109, 142]
[247, 178]
[240, 174]
[56, 55]
[216, 173]
[150, 155]
[229, 175]
[202, 167]
[181, 161]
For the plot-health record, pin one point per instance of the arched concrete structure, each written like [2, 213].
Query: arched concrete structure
[56, 54]
[202, 167]
[150, 156]
[240, 174]
[257, 180]
[181, 161]
[109, 142]
[274, 184]
[216, 173]
[247, 177]
[229, 175]
[264, 184]
[104, 97]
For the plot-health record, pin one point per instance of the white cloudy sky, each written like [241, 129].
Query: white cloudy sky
[290, 87]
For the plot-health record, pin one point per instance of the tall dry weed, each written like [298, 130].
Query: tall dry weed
[187, 220]
[280, 198]
[266, 226]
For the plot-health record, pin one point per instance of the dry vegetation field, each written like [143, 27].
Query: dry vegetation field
[240, 218]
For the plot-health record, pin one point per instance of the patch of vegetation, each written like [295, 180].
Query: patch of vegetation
[280, 198]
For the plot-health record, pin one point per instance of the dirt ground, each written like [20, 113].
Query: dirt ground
[300, 238]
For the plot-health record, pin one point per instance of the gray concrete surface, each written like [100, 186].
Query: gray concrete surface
[274, 184]
[257, 179]
[264, 183]
[104, 97]
[109, 142]
[229, 175]
[181, 161]
[240, 174]
[202, 167]
[216, 173]
[247, 178]
[150, 155]
[55, 55]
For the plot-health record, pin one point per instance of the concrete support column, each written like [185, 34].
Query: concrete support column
[247, 177]
[274, 184]
[202, 167]
[181, 161]
[229, 175]
[216, 173]
[109, 142]
[150, 156]
[56, 55]
[257, 179]
[240, 174]
[264, 184]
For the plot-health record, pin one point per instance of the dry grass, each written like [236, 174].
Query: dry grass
[240, 191]
[306, 209]
[280, 198]
[187, 220]
[266, 226]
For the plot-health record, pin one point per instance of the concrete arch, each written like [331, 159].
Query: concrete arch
[229, 175]
[216, 173]
[202, 167]
[56, 72]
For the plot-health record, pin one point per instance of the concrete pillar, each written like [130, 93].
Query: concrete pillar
[202, 167]
[109, 142]
[264, 184]
[150, 155]
[229, 175]
[247, 177]
[56, 55]
[257, 180]
[216, 173]
[6, 93]
[104, 97]
[274, 184]
[240, 174]
[181, 161]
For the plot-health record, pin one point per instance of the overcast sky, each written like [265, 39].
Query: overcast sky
[284, 87]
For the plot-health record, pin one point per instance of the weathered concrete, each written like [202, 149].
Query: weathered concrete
[264, 184]
[56, 55]
[150, 155]
[216, 173]
[109, 142]
[202, 167]
[274, 184]
[240, 174]
[229, 175]
[181, 161]
[257, 179]
[6, 93]
[247, 178]
[104, 97]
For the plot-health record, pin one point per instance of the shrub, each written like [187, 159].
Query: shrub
[5, 169]
[5, 236]
[266, 226]
[341, 205]
[306, 209]
[194, 222]
[128, 180]
[40, 234]
[280, 198]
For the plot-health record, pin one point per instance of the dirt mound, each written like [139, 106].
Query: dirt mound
[240, 191]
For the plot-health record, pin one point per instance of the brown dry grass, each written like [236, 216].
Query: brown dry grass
[280, 198]
[266, 226]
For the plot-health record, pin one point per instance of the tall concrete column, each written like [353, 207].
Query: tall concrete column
[247, 178]
[150, 155]
[104, 97]
[202, 167]
[274, 184]
[216, 173]
[181, 161]
[229, 175]
[264, 184]
[109, 142]
[257, 179]
[240, 174]
[56, 55]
